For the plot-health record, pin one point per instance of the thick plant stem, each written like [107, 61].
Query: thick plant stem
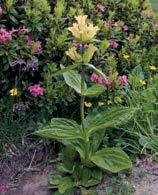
[82, 98]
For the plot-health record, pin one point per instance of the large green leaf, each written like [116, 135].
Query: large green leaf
[73, 79]
[108, 118]
[61, 128]
[111, 159]
[94, 90]
[65, 184]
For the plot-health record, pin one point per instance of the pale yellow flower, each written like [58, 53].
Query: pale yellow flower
[72, 53]
[118, 99]
[126, 56]
[109, 102]
[142, 82]
[13, 92]
[152, 68]
[88, 104]
[83, 31]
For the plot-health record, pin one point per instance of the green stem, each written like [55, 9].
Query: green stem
[82, 98]
[86, 138]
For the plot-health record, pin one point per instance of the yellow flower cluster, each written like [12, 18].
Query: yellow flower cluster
[152, 68]
[84, 32]
[13, 92]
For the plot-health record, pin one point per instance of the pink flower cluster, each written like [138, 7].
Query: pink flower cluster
[20, 30]
[112, 24]
[100, 8]
[36, 46]
[5, 35]
[3, 187]
[156, 26]
[36, 90]
[123, 80]
[103, 81]
[113, 44]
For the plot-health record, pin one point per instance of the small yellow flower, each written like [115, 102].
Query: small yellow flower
[83, 31]
[88, 104]
[152, 68]
[13, 92]
[72, 53]
[118, 99]
[142, 82]
[126, 56]
[101, 103]
[109, 102]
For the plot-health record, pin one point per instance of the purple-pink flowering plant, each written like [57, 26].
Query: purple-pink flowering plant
[36, 90]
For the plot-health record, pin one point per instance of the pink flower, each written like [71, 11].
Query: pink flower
[149, 14]
[124, 27]
[37, 48]
[4, 35]
[1, 11]
[156, 26]
[113, 44]
[123, 80]
[106, 82]
[29, 41]
[100, 8]
[95, 77]
[23, 29]
[36, 90]
[3, 187]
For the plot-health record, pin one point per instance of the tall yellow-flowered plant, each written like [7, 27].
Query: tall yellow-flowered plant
[82, 138]
[83, 31]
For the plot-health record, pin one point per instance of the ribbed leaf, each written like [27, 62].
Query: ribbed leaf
[61, 128]
[65, 184]
[111, 159]
[73, 79]
[65, 69]
[94, 90]
[108, 118]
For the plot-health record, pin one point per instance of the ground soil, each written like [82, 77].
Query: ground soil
[25, 171]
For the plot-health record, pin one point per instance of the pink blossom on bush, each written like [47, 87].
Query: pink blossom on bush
[149, 14]
[100, 8]
[106, 82]
[156, 26]
[23, 29]
[95, 77]
[37, 48]
[1, 11]
[3, 187]
[29, 41]
[113, 44]
[124, 27]
[4, 35]
[36, 90]
[123, 80]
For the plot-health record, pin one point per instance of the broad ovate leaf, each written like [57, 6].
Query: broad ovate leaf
[73, 79]
[111, 159]
[95, 90]
[108, 118]
[65, 184]
[61, 128]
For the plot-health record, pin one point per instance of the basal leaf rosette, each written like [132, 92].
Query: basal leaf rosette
[83, 31]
